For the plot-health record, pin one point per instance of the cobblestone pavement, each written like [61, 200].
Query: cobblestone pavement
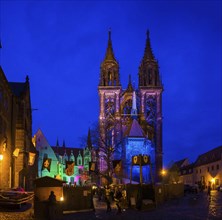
[190, 207]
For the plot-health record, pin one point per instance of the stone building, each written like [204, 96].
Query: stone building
[17, 167]
[130, 119]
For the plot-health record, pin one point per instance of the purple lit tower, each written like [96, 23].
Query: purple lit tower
[130, 120]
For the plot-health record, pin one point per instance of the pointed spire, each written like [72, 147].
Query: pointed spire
[57, 142]
[148, 53]
[89, 142]
[63, 144]
[130, 86]
[109, 50]
[134, 108]
[27, 79]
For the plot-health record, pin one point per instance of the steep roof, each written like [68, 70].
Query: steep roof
[209, 157]
[134, 130]
[179, 164]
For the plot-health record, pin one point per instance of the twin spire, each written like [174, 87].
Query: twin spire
[148, 53]
[109, 50]
[148, 69]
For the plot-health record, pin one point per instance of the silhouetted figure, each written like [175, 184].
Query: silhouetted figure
[52, 205]
[208, 190]
[52, 198]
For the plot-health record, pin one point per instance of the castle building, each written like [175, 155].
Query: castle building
[130, 119]
[66, 163]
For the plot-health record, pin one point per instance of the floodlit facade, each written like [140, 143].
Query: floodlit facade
[130, 119]
[65, 163]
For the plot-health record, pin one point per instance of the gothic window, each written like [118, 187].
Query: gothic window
[109, 107]
[109, 77]
[150, 76]
[156, 75]
[115, 79]
[150, 109]
[127, 107]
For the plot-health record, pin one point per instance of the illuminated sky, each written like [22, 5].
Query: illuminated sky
[61, 44]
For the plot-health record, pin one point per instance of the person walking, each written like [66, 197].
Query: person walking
[108, 198]
[117, 198]
[209, 190]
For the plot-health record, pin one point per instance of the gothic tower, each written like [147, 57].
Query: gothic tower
[150, 90]
[109, 92]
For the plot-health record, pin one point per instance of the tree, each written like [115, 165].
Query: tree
[107, 140]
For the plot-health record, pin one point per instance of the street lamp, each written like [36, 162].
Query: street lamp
[163, 172]
[1, 157]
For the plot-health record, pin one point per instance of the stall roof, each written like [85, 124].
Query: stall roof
[47, 181]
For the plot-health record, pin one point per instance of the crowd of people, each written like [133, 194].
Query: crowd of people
[112, 194]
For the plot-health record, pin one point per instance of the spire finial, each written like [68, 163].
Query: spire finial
[109, 32]
[148, 33]
[27, 78]
[129, 87]
[109, 50]
[148, 53]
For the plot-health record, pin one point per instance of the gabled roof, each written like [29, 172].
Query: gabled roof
[179, 164]
[47, 181]
[209, 157]
[134, 130]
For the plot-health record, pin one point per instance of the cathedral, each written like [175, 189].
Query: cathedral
[130, 120]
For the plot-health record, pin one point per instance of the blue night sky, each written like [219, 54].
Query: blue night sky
[61, 44]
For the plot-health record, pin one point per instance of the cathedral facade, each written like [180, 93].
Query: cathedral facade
[130, 120]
